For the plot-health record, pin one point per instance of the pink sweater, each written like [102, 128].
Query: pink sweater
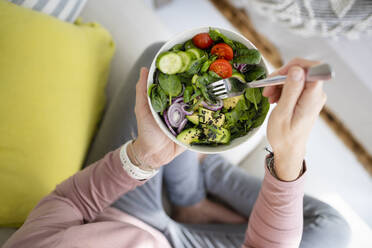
[77, 214]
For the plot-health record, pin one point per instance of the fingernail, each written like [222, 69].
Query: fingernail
[296, 74]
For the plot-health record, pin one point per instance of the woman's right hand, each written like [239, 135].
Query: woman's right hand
[290, 123]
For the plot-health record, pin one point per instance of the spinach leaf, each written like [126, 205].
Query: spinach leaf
[185, 78]
[196, 65]
[239, 46]
[247, 56]
[158, 99]
[189, 44]
[239, 120]
[205, 93]
[207, 63]
[187, 94]
[196, 94]
[177, 47]
[216, 35]
[208, 78]
[171, 84]
[244, 51]
[149, 91]
[213, 77]
[196, 105]
[254, 73]
[239, 113]
[202, 82]
[236, 85]
[254, 96]
[262, 112]
[203, 79]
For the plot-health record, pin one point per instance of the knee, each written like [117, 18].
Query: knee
[324, 224]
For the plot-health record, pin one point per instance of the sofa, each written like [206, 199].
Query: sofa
[134, 27]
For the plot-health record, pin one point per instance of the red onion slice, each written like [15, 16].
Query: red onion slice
[168, 124]
[184, 107]
[214, 107]
[175, 115]
[182, 126]
[183, 90]
[242, 68]
[177, 99]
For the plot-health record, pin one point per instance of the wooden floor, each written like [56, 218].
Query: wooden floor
[240, 20]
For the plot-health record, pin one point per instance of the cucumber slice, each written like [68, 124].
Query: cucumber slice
[192, 55]
[186, 59]
[169, 63]
[197, 52]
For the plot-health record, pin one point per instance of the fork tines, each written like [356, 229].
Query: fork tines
[218, 89]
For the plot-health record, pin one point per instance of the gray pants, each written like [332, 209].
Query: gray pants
[187, 183]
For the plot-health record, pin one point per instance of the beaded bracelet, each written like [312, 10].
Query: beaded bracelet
[133, 170]
[270, 165]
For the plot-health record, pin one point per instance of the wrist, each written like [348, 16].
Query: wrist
[131, 156]
[144, 156]
[288, 166]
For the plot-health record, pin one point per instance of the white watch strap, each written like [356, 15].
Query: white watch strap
[133, 170]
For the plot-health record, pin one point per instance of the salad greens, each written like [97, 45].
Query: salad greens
[196, 65]
[181, 96]
[170, 84]
[159, 99]
[255, 72]
[247, 56]
[254, 96]
[216, 35]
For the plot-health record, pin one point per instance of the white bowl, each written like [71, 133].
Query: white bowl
[181, 38]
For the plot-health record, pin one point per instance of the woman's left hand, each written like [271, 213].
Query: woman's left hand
[152, 147]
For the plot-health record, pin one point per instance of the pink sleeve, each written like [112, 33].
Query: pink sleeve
[277, 217]
[77, 200]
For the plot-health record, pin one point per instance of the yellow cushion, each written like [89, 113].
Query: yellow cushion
[52, 80]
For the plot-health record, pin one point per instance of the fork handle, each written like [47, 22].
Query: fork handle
[314, 73]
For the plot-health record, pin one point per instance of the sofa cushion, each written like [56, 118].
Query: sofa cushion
[66, 10]
[52, 80]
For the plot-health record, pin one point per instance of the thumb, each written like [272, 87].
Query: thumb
[141, 87]
[141, 90]
[142, 81]
[292, 89]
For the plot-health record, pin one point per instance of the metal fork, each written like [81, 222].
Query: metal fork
[231, 87]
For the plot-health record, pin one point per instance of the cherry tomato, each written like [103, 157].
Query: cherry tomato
[202, 40]
[223, 51]
[222, 67]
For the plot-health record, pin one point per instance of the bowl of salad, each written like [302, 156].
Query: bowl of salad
[181, 103]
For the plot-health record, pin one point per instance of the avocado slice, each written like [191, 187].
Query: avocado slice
[210, 117]
[189, 136]
[230, 103]
[217, 134]
[194, 118]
